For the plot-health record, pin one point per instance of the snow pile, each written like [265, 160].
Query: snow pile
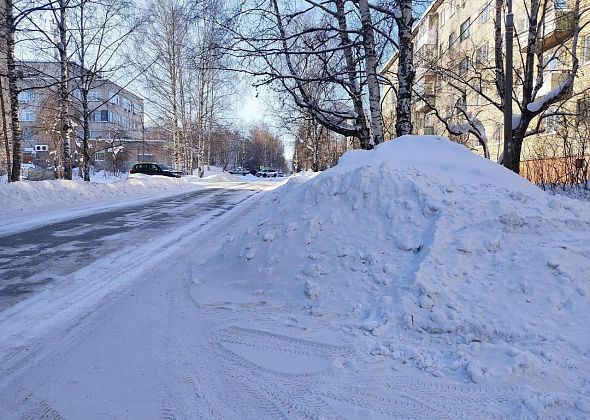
[577, 192]
[20, 198]
[427, 256]
[226, 177]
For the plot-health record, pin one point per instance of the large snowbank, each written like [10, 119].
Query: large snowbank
[427, 256]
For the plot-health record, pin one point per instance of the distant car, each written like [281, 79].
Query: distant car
[267, 173]
[147, 168]
[280, 174]
[239, 171]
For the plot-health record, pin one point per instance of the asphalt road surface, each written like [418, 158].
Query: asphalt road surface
[35, 259]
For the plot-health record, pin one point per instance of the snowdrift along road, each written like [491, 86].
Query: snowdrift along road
[427, 256]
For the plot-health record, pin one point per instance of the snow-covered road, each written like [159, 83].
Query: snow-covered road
[36, 259]
[130, 336]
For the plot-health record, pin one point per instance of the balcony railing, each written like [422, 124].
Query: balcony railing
[559, 26]
[425, 56]
[552, 80]
[428, 92]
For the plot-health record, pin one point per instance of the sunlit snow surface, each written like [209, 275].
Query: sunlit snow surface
[412, 281]
[427, 256]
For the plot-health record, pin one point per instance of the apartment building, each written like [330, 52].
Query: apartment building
[454, 58]
[116, 117]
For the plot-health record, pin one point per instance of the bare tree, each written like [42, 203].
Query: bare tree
[348, 39]
[550, 38]
[99, 29]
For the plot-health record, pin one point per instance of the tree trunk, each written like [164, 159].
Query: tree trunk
[346, 42]
[85, 136]
[13, 92]
[371, 69]
[5, 135]
[86, 79]
[405, 70]
[65, 124]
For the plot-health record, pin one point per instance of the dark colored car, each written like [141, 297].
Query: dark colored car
[239, 171]
[154, 169]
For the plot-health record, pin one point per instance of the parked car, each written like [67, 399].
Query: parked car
[239, 171]
[280, 174]
[148, 168]
[267, 173]
[169, 169]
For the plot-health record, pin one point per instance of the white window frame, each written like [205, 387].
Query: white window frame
[465, 32]
[27, 115]
[484, 14]
[586, 49]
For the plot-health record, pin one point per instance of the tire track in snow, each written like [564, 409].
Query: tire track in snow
[282, 343]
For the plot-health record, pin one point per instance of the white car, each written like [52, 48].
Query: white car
[267, 173]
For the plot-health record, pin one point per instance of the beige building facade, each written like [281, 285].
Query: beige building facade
[454, 56]
[116, 114]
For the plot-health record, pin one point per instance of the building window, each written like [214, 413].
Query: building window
[462, 102]
[27, 115]
[586, 49]
[522, 25]
[114, 98]
[442, 17]
[498, 133]
[126, 104]
[560, 4]
[552, 64]
[102, 116]
[452, 39]
[27, 96]
[465, 29]
[94, 96]
[551, 121]
[146, 158]
[484, 15]
[464, 66]
[481, 55]
[94, 134]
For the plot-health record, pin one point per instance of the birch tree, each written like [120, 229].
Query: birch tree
[99, 30]
[279, 40]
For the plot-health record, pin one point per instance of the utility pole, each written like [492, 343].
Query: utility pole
[508, 152]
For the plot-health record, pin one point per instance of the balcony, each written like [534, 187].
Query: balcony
[428, 92]
[425, 58]
[552, 80]
[559, 26]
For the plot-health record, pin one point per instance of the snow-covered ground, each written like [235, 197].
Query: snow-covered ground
[27, 204]
[579, 192]
[425, 255]
[412, 281]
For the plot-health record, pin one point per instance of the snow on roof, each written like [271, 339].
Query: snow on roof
[431, 257]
